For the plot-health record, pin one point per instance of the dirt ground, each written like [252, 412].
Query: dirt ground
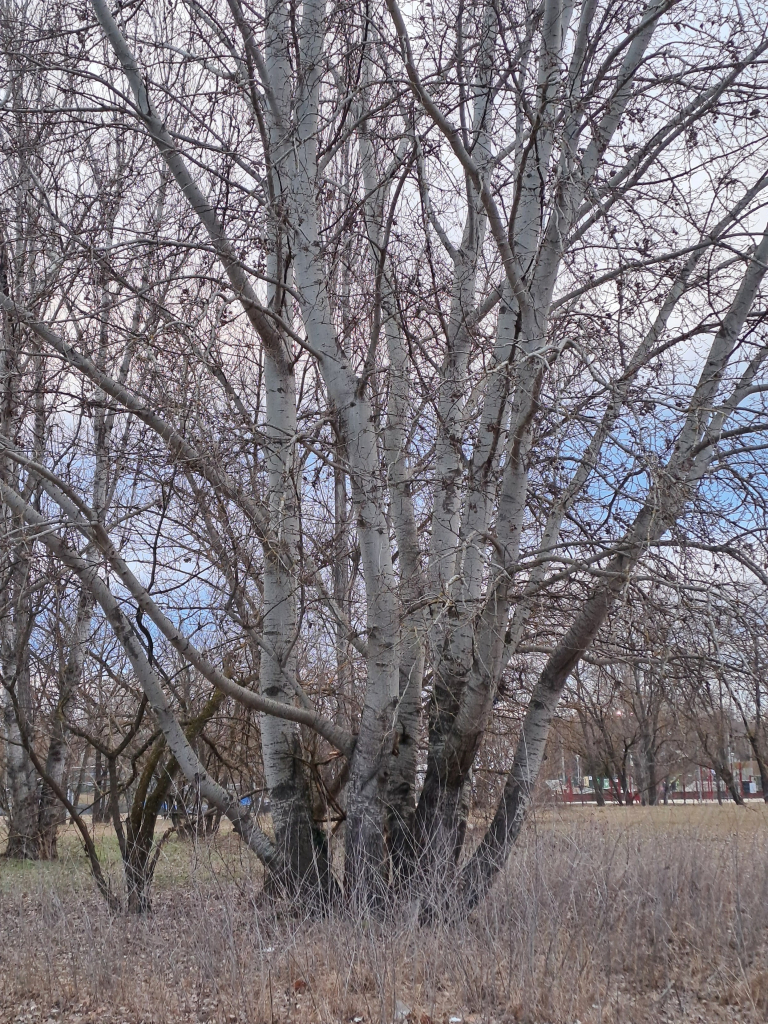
[616, 914]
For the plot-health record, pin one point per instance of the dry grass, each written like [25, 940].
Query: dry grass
[614, 915]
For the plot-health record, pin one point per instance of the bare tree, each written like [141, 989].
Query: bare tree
[457, 270]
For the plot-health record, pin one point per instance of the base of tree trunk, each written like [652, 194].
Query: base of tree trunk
[22, 848]
[47, 845]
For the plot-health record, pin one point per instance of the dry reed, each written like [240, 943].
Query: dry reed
[624, 915]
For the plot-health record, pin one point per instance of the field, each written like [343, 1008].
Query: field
[604, 915]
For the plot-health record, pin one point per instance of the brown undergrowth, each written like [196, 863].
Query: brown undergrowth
[654, 914]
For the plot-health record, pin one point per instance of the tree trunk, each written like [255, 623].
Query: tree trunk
[762, 764]
[648, 780]
[401, 786]
[22, 794]
[51, 812]
[306, 859]
[367, 788]
[616, 789]
[724, 772]
[763, 769]
[20, 772]
[343, 689]
[597, 785]
[80, 779]
[100, 811]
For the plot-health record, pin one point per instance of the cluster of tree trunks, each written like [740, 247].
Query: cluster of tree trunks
[545, 116]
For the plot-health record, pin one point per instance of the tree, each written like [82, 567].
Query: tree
[720, 678]
[456, 268]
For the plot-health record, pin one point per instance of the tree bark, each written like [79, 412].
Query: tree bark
[140, 849]
[21, 777]
[51, 813]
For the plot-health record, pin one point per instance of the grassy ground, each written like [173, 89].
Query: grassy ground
[617, 914]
